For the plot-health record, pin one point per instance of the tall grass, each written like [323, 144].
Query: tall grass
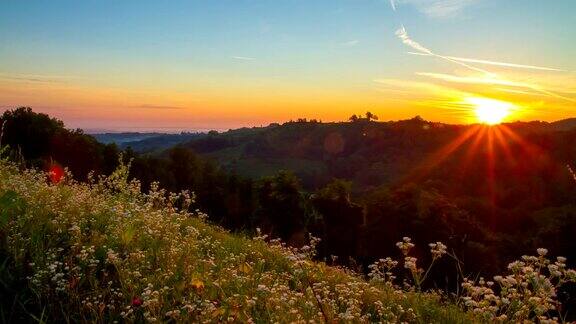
[104, 252]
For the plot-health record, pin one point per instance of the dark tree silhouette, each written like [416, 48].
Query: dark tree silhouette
[340, 222]
[370, 116]
[281, 212]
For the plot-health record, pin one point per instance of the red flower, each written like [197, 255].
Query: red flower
[136, 302]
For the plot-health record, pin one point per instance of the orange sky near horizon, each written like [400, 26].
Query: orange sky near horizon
[223, 106]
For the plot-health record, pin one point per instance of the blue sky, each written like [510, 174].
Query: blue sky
[244, 61]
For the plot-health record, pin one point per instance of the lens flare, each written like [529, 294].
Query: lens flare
[55, 173]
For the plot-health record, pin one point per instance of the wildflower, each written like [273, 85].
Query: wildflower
[437, 249]
[262, 287]
[198, 285]
[410, 263]
[542, 252]
[245, 268]
[406, 245]
[137, 302]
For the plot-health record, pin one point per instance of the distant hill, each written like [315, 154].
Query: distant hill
[160, 142]
[368, 153]
[124, 137]
[146, 142]
[564, 124]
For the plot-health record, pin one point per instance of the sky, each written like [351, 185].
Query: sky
[219, 64]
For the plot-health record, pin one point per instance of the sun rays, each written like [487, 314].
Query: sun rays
[491, 145]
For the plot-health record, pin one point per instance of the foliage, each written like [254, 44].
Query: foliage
[43, 141]
[529, 293]
[102, 252]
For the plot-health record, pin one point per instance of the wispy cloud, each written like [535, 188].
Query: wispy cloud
[30, 79]
[496, 63]
[494, 81]
[243, 58]
[487, 78]
[424, 89]
[470, 79]
[162, 107]
[36, 78]
[442, 99]
[350, 43]
[436, 8]
[520, 92]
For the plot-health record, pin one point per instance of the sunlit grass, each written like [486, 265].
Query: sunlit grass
[103, 252]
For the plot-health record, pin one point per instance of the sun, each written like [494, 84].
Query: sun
[490, 111]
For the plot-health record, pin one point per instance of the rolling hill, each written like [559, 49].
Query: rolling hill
[370, 154]
[104, 252]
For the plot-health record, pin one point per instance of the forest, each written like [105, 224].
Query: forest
[490, 193]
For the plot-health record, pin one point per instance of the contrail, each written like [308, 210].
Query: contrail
[403, 35]
[505, 64]
[513, 65]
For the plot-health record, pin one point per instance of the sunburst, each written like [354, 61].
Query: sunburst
[490, 111]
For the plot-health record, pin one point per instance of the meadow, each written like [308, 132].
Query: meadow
[102, 251]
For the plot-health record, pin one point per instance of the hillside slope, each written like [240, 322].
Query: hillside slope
[104, 252]
[369, 154]
[564, 124]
